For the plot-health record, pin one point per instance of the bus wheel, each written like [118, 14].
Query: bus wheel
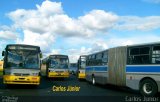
[93, 80]
[148, 87]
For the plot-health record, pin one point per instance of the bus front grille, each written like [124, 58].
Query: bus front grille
[21, 74]
[59, 71]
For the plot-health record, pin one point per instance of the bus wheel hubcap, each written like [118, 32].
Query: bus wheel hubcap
[147, 88]
[93, 80]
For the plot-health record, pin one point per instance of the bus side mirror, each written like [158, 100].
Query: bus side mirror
[41, 55]
[3, 53]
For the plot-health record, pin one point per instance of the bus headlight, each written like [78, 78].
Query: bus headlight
[8, 73]
[51, 71]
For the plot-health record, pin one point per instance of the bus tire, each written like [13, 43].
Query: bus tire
[148, 87]
[93, 80]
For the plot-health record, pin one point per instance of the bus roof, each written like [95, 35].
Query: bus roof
[73, 63]
[134, 45]
[24, 45]
[59, 55]
[21, 45]
[98, 52]
[82, 55]
[50, 56]
[144, 44]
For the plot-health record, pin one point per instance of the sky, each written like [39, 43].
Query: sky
[78, 27]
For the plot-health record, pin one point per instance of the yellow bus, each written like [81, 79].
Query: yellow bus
[21, 64]
[57, 66]
[1, 66]
[81, 67]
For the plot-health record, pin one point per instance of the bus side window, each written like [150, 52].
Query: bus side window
[156, 55]
[105, 58]
[139, 55]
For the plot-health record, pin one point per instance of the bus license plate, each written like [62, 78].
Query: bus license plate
[21, 78]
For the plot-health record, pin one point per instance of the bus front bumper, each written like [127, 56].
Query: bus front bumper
[11, 79]
[58, 75]
[81, 76]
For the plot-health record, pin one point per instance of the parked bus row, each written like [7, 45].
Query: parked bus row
[135, 66]
[22, 65]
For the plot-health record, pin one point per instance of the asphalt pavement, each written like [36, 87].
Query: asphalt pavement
[71, 87]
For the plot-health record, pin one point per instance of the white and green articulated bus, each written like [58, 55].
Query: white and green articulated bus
[135, 66]
[21, 64]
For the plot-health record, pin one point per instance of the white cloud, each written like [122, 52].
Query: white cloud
[95, 47]
[17, 15]
[99, 46]
[127, 42]
[99, 20]
[84, 26]
[65, 26]
[45, 24]
[41, 26]
[37, 24]
[49, 8]
[138, 39]
[73, 58]
[50, 17]
[53, 51]
[5, 27]
[138, 23]
[56, 51]
[82, 51]
[75, 53]
[45, 41]
[8, 35]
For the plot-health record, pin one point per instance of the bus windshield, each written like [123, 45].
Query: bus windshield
[22, 59]
[83, 63]
[61, 63]
[73, 65]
